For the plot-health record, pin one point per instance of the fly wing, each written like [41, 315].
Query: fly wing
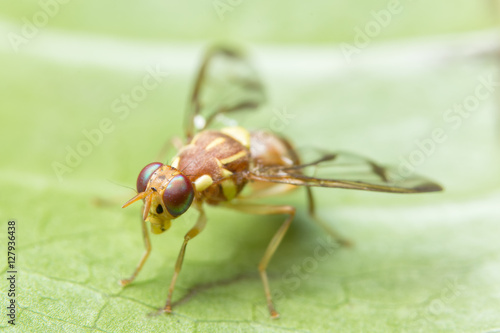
[226, 83]
[345, 170]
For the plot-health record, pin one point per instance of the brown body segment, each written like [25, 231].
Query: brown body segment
[268, 149]
[218, 156]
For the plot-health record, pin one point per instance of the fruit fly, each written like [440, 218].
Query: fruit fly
[213, 166]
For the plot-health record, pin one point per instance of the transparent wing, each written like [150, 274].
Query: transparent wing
[226, 83]
[345, 170]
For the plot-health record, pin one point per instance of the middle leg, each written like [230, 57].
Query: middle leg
[273, 244]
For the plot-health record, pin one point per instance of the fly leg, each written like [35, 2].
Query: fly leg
[192, 233]
[273, 244]
[145, 255]
[312, 212]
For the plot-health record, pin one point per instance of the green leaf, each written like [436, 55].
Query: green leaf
[420, 263]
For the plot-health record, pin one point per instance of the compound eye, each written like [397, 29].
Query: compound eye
[145, 174]
[178, 195]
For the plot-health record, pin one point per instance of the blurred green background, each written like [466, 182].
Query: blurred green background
[420, 263]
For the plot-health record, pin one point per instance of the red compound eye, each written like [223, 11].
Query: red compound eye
[178, 195]
[145, 174]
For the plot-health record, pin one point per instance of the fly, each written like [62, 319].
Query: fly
[213, 166]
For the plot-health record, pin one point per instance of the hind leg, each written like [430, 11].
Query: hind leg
[332, 232]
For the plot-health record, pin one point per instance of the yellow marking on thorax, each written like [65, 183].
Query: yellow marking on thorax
[203, 182]
[226, 173]
[214, 143]
[239, 134]
[175, 162]
[233, 158]
[228, 188]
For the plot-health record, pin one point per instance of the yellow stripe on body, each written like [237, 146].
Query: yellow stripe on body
[214, 143]
[233, 158]
[175, 162]
[239, 134]
[228, 188]
[203, 182]
[225, 172]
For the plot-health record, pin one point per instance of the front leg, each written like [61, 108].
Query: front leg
[145, 255]
[198, 227]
